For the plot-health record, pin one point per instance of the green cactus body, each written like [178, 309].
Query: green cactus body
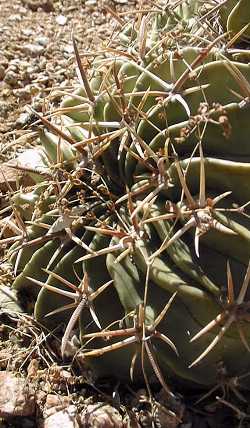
[235, 16]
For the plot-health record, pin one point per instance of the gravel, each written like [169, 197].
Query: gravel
[36, 49]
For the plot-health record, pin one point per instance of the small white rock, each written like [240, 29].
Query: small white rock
[68, 49]
[22, 119]
[27, 31]
[15, 18]
[90, 2]
[42, 40]
[32, 49]
[61, 19]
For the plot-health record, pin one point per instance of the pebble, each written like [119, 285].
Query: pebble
[33, 50]
[34, 5]
[68, 49]
[4, 61]
[101, 415]
[23, 93]
[90, 2]
[22, 120]
[55, 403]
[65, 418]
[4, 108]
[9, 55]
[10, 78]
[61, 20]
[31, 69]
[14, 63]
[15, 18]
[27, 32]
[42, 40]
[17, 397]
[2, 72]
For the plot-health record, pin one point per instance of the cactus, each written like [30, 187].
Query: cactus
[143, 240]
[235, 17]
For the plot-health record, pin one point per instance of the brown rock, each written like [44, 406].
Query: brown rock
[55, 404]
[10, 176]
[17, 397]
[101, 416]
[34, 5]
[2, 72]
[11, 78]
[65, 418]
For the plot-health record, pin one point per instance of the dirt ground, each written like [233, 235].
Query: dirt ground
[36, 50]
[36, 56]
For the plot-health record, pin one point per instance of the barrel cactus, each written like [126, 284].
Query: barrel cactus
[235, 16]
[138, 226]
